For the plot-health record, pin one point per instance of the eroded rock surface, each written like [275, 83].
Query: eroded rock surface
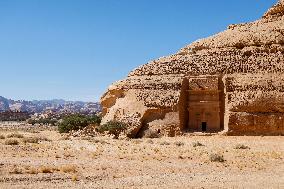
[243, 66]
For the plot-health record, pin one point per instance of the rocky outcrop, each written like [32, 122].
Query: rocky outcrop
[276, 10]
[247, 63]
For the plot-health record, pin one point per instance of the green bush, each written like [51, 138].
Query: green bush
[76, 122]
[112, 127]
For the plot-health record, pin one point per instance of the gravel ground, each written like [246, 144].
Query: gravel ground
[102, 162]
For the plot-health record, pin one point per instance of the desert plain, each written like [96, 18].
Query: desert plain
[45, 158]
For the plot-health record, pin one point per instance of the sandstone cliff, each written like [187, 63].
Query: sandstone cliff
[245, 64]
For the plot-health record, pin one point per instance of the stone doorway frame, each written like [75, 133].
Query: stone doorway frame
[182, 105]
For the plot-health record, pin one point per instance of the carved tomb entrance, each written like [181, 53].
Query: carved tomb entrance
[205, 104]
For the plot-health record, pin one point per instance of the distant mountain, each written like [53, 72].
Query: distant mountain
[4, 104]
[56, 105]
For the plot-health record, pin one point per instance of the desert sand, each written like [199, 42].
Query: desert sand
[58, 161]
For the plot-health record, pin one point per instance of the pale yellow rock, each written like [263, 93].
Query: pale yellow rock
[243, 66]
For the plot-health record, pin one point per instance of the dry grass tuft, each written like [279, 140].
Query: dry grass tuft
[178, 143]
[32, 170]
[43, 139]
[137, 141]
[101, 141]
[16, 170]
[165, 143]
[46, 169]
[196, 144]
[15, 135]
[241, 146]
[151, 134]
[2, 136]
[65, 137]
[275, 155]
[216, 158]
[52, 169]
[68, 169]
[74, 178]
[150, 141]
[11, 142]
[31, 140]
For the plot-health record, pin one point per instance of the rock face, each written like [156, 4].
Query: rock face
[231, 82]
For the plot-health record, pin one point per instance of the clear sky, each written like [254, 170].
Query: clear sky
[74, 49]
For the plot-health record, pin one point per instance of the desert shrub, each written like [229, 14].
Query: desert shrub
[68, 169]
[196, 144]
[46, 169]
[11, 142]
[150, 141]
[43, 138]
[2, 137]
[74, 177]
[31, 140]
[48, 121]
[32, 170]
[112, 127]
[65, 137]
[151, 134]
[216, 158]
[44, 121]
[99, 141]
[76, 122]
[16, 170]
[137, 141]
[165, 143]
[31, 121]
[241, 146]
[178, 143]
[15, 135]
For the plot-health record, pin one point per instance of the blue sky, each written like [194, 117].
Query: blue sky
[74, 49]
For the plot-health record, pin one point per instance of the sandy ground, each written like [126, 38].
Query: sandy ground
[102, 162]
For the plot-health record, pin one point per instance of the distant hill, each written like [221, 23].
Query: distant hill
[4, 104]
[56, 105]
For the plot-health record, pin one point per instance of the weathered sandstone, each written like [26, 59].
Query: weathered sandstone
[231, 82]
